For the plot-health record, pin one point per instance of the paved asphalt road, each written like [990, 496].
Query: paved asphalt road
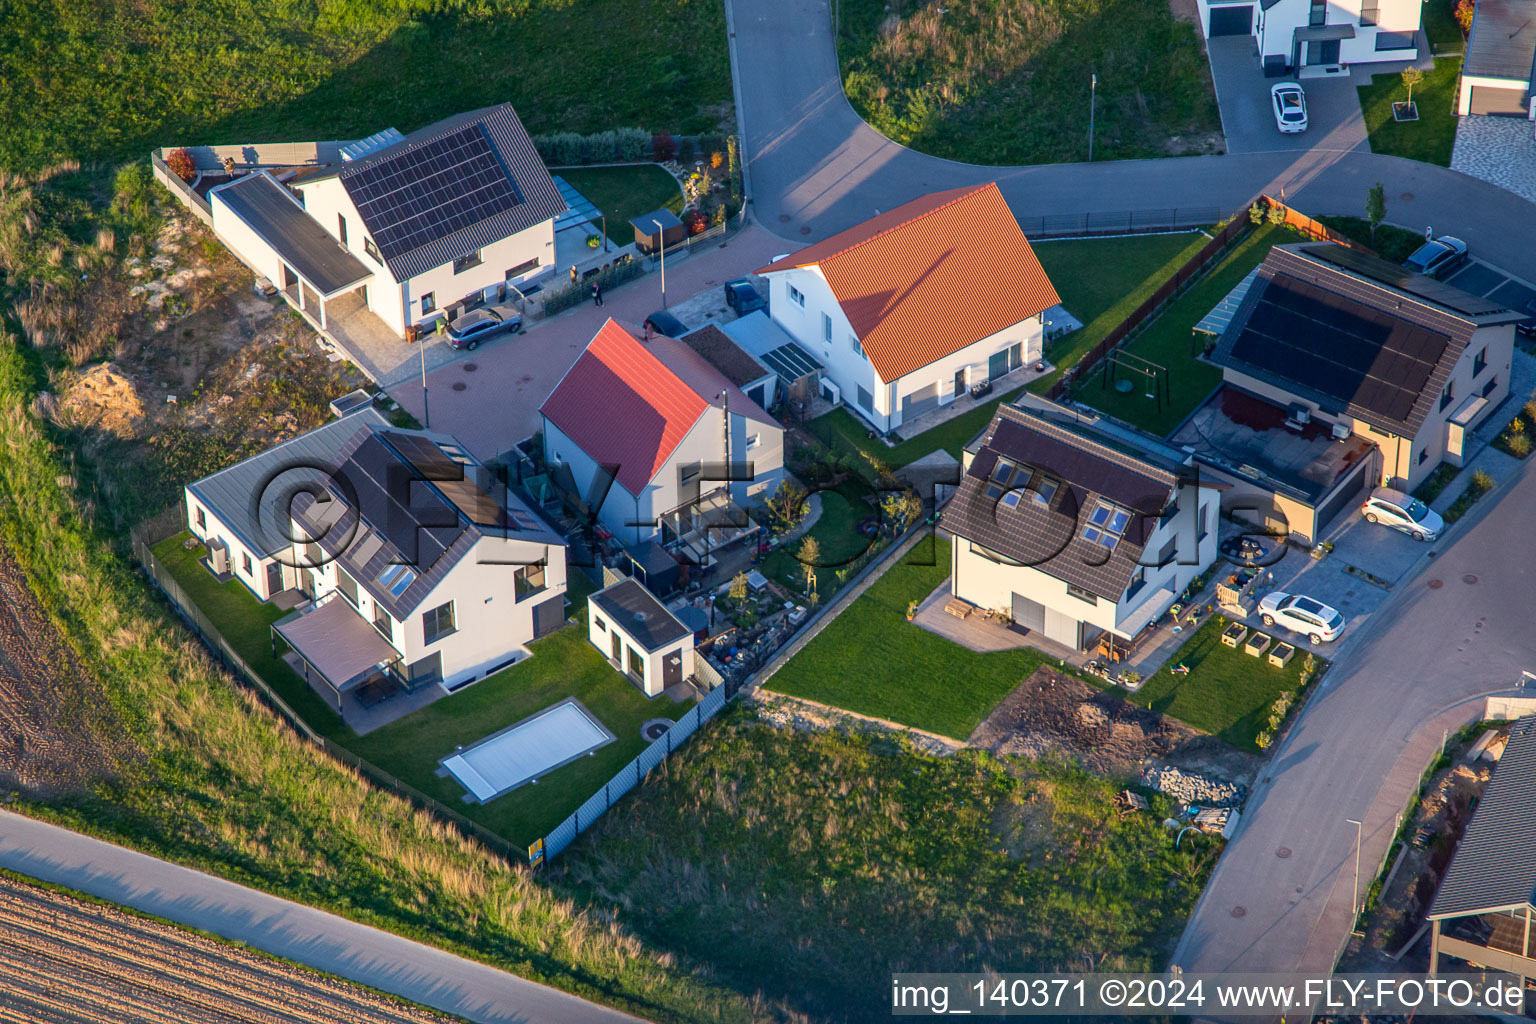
[815, 168]
[294, 932]
[1280, 897]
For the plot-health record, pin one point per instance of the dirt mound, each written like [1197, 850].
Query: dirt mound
[101, 398]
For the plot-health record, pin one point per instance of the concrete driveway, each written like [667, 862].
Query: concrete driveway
[1334, 121]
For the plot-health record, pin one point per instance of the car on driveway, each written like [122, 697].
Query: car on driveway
[1437, 257]
[1402, 511]
[468, 330]
[1302, 614]
[1527, 327]
[742, 297]
[1289, 103]
[663, 322]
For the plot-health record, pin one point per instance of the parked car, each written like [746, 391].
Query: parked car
[1290, 107]
[663, 322]
[1438, 257]
[1402, 511]
[1302, 614]
[468, 330]
[1527, 326]
[742, 297]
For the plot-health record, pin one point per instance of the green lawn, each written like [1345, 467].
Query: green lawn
[1433, 135]
[1441, 28]
[563, 665]
[870, 659]
[1008, 81]
[623, 193]
[1100, 281]
[1167, 341]
[807, 867]
[1391, 243]
[1227, 693]
[113, 79]
[836, 530]
[247, 624]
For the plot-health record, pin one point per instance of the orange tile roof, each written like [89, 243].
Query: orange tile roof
[623, 407]
[930, 277]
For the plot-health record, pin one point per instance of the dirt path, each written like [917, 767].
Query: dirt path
[65, 961]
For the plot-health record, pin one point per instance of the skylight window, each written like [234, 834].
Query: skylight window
[455, 453]
[1106, 524]
[397, 578]
[1011, 498]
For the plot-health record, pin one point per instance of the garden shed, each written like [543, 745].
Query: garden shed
[657, 228]
[639, 637]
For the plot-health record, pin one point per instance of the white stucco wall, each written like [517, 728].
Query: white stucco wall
[850, 370]
[247, 246]
[1274, 29]
[214, 528]
[601, 633]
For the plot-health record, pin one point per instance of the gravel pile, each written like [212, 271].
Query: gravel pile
[1190, 788]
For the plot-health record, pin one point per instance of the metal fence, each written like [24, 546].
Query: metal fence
[242, 671]
[1123, 222]
[630, 776]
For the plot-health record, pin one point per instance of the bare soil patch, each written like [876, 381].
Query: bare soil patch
[67, 961]
[1052, 713]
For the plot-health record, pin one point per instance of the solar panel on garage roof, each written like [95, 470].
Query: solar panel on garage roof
[1428, 288]
[428, 193]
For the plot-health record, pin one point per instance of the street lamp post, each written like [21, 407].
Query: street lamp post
[1093, 95]
[661, 243]
[1354, 907]
[421, 347]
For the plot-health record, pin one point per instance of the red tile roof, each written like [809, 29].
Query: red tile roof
[930, 277]
[629, 403]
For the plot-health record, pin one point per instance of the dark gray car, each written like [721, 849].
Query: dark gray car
[470, 329]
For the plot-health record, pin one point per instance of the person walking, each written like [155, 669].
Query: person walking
[597, 294]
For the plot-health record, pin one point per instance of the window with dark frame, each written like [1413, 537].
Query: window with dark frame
[245, 564]
[523, 268]
[372, 251]
[597, 620]
[1423, 454]
[466, 262]
[1318, 15]
[347, 585]
[383, 622]
[795, 295]
[428, 303]
[197, 514]
[529, 579]
[1368, 12]
[1082, 595]
[437, 623]
[826, 329]
[341, 224]
[1448, 394]
[1491, 386]
[1480, 362]
[1106, 524]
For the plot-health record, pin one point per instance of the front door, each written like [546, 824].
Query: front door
[618, 650]
[672, 669]
[960, 382]
[1325, 53]
[274, 578]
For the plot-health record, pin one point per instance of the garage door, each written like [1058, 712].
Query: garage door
[1231, 21]
[1028, 614]
[1350, 493]
[1498, 102]
[919, 402]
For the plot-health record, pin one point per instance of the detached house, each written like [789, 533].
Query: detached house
[1075, 526]
[907, 311]
[1499, 71]
[1342, 372]
[410, 224]
[422, 570]
[1313, 38]
[659, 443]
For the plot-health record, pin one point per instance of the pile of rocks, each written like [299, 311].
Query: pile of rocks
[1189, 788]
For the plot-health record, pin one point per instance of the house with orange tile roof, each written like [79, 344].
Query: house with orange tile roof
[659, 444]
[912, 308]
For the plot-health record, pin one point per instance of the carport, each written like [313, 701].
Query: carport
[339, 652]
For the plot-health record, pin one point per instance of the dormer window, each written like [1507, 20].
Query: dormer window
[1106, 524]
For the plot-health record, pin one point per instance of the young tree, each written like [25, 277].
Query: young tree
[1411, 77]
[809, 556]
[739, 587]
[1376, 208]
[1256, 214]
[901, 509]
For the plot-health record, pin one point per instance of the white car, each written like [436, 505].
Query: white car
[1392, 507]
[1290, 106]
[1299, 613]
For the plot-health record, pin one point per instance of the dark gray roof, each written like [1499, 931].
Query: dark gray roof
[738, 365]
[644, 223]
[1050, 538]
[252, 497]
[272, 212]
[398, 505]
[1495, 865]
[450, 189]
[792, 362]
[637, 613]
[1348, 339]
[1502, 43]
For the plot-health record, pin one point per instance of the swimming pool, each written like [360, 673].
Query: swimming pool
[538, 744]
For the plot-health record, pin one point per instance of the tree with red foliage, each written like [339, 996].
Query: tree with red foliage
[696, 221]
[181, 164]
[1463, 13]
[663, 146]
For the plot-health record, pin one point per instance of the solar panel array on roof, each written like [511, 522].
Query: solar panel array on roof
[1428, 288]
[417, 522]
[1339, 348]
[457, 482]
[791, 362]
[429, 193]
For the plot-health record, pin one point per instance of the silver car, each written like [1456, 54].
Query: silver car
[470, 329]
[1302, 614]
[1402, 511]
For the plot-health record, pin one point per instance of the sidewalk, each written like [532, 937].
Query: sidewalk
[294, 932]
[496, 404]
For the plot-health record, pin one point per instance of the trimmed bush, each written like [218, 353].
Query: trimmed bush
[181, 164]
[663, 147]
[568, 149]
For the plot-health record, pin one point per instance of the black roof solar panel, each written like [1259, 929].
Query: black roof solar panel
[429, 193]
[1377, 269]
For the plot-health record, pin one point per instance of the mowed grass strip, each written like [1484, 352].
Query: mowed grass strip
[872, 661]
[1227, 693]
[624, 193]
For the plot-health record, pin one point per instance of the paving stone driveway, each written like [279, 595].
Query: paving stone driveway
[1499, 150]
[1242, 92]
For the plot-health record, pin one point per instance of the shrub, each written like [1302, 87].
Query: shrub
[663, 146]
[1463, 12]
[685, 150]
[181, 164]
[1520, 446]
[631, 144]
[1529, 410]
[718, 217]
[1516, 426]
[1483, 480]
[696, 221]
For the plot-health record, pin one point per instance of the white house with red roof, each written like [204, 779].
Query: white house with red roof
[911, 308]
[658, 441]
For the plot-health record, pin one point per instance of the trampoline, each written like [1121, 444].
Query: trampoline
[538, 744]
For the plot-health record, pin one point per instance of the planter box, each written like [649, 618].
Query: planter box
[1256, 644]
[1282, 654]
[1405, 111]
[1234, 634]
